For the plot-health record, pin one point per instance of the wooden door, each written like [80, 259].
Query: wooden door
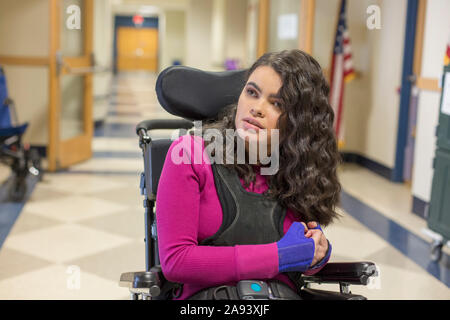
[137, 49]
[71, 66]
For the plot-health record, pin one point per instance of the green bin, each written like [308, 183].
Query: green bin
[439, 209]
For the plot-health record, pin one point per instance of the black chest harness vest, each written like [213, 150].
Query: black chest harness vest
[248, 218]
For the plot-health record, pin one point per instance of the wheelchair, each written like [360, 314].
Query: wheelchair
[193, 94]
[22, 159]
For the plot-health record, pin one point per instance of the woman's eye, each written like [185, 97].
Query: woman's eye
[251, 92]
[277, 104]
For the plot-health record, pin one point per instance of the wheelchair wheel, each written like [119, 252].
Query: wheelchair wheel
[436, 251]
[18, 190]
[36, 166]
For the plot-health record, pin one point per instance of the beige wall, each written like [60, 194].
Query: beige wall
[236, 30]
[251, 42]
[131, 6]
[209, 42]
[103, 44]
[24, 31]
[324, 29]
[175, 38]
[218, 31]
[198, 34]
[386, 69]
[28, 87]
[103, 50]
[24, 27]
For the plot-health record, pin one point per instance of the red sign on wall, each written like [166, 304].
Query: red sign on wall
[138, 20]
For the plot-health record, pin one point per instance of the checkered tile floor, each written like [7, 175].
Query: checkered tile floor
[83, 227]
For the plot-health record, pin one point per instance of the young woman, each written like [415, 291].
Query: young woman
[219, 224]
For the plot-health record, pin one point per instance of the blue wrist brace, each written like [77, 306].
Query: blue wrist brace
[295, 251]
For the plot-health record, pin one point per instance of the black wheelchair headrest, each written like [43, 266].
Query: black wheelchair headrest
[195, 94]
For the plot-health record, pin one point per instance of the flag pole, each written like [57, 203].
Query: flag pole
[331, 65]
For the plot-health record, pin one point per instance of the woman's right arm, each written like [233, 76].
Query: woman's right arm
[178, 207]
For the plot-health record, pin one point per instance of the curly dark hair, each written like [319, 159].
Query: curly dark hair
[306, 181]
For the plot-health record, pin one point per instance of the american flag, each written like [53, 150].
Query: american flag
[341, 71]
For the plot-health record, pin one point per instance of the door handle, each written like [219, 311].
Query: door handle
[412, 78]
[83, 70]
[60, 65]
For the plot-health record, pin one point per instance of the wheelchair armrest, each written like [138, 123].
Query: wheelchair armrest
[344, 272]
[313, 294]
[155, 124]
[146, 282]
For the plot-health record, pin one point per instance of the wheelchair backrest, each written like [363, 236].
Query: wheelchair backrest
[5, 115]
[198, 95]
[154, 158]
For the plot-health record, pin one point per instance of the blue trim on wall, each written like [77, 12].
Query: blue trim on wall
[127, 21]
[371, 165]
[408, 58]
[10, 211]
[408, 243]
[420, 208]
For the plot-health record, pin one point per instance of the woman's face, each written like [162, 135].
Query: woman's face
[259, 105]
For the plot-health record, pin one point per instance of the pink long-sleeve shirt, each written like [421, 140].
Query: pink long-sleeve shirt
[188, 211]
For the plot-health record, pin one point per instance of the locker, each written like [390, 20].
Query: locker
[443, 130]
[439, 211]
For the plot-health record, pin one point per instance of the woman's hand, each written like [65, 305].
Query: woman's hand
[320, 242]
[310, 225]
[306, 227]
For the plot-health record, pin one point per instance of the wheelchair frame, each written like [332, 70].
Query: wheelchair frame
[22, 159]
[150, 284]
